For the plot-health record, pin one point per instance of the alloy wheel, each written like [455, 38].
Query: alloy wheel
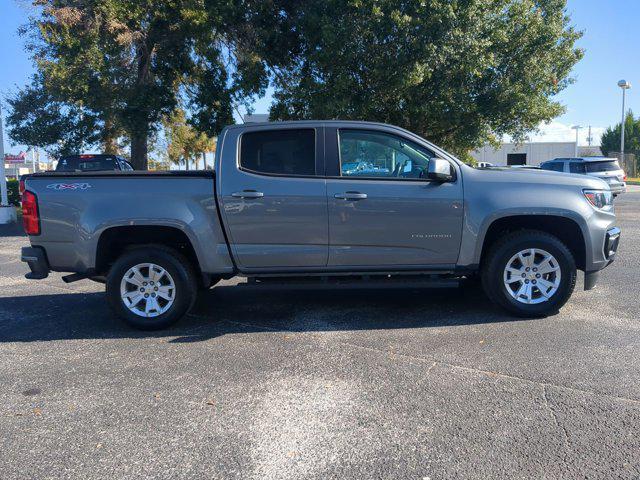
[147, 290]
[532, 276]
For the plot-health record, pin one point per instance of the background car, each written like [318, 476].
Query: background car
[92, 163]
[608, 169]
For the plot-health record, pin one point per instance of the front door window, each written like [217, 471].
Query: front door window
[367, 154]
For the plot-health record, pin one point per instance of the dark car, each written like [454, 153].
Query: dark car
[92, 163]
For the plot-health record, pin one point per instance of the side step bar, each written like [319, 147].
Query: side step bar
[357, 281]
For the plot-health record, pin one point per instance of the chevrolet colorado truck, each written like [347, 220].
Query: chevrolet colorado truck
[352, 201]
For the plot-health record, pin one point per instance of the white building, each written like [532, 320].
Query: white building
[256, 118]
[530, 153]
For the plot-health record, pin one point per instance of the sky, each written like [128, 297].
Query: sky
[610, 40]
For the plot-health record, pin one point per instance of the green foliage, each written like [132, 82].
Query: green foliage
[38, 119]
[610, 141]
[184, 142]
[130, 64]
[13, 192]
[458, 73]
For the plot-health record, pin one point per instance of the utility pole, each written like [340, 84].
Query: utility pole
[589, 138]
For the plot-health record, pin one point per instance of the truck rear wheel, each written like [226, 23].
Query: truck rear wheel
[529, 273]
[151, 287]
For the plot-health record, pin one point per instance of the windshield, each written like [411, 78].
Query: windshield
[86, 163]
[594, 167]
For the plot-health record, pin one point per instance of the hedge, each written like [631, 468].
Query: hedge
[13, 192]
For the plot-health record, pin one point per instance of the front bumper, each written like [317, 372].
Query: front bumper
[618, 188]
[36, 258]
[611, 242]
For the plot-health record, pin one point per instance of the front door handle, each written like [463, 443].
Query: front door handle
[350, 196]
[247, 194]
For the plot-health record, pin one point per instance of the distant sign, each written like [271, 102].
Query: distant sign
[13, 159]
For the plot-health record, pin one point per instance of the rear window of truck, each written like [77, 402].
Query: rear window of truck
[279, 152]
[594, 167]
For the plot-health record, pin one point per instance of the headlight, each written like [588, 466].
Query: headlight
[601, 199]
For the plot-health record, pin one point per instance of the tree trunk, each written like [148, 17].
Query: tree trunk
[109, 138]
[140, 127]
[139, 149]
[110, 145]
[204, 161]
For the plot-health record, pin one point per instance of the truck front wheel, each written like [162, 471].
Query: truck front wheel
[151, 287]
[529, 273]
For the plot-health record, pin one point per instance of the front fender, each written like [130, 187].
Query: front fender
[487, 202]
[513, 212]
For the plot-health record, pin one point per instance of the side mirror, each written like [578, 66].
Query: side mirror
[440, 170]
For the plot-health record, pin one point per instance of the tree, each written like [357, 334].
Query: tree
[132, 63]
[39, 117]
[458, 73]
[184, 142]
[610, 141]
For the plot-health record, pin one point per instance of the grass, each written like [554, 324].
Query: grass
[633, 181]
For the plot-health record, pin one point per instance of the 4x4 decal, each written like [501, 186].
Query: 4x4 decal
[68, 186]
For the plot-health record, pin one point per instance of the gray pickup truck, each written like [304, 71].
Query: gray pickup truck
[351, 201]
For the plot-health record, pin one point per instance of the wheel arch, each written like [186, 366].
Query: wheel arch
[567, 229]
[114, 241]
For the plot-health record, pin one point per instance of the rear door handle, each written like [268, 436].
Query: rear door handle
[350, 196]
[247, 194]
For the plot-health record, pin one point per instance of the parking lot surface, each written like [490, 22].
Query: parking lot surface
[315, 384]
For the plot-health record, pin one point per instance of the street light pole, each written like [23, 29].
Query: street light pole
[624, 85]
[4, 200]
[577, 129]
[7, 212]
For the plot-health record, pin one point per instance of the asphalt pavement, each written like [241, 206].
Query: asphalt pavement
[261, 383]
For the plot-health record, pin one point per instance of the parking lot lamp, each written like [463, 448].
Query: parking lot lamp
[624, 85]
[577, 129]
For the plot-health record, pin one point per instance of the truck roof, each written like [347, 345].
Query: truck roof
[311, 123]
[584, 159]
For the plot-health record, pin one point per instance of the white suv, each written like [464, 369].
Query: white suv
[608, 169]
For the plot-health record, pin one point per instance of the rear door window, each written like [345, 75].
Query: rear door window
[279, 152]
[608, 166]
[575, 167]
[555, 166]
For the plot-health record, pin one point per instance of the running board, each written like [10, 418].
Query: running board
[357, 281]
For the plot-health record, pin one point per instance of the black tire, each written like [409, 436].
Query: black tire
[175, 264]
[501, 252]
